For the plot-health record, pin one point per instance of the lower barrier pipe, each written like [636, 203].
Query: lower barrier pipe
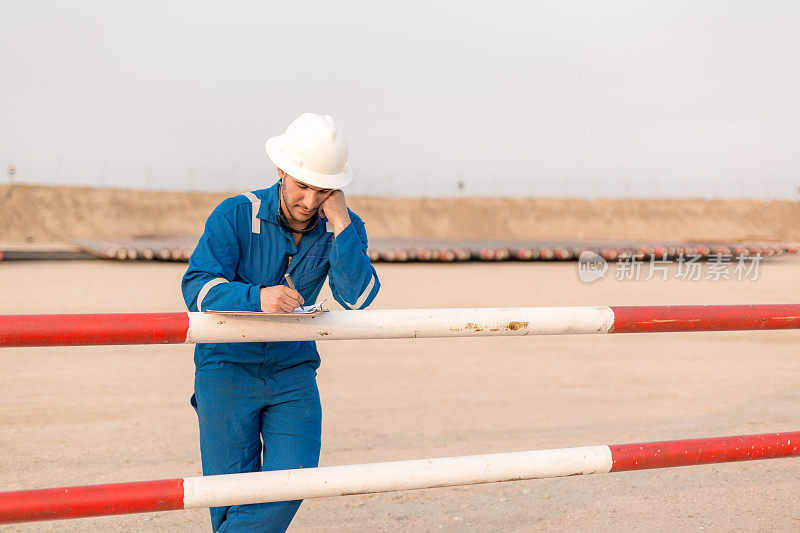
[284, 485]
[169, 328]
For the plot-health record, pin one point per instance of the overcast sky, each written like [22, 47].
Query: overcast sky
[584, 98]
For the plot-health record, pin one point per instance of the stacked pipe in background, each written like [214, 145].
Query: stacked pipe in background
[179, 248]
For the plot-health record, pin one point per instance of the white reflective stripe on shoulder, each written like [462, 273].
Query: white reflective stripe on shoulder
[207, 287]
[364, 295]
[256, 201]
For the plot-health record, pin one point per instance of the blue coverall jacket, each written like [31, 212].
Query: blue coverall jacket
[246, 393]
[244, 247]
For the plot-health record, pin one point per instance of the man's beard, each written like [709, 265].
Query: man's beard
[310, 223]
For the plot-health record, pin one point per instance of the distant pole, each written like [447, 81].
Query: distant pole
[11, 170]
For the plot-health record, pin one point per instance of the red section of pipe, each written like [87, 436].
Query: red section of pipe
[705, 318]
[86, 330]
[448, 256]
[704, 451]
[609, 253]
[91, 500]
[524, 254]
[563, 254]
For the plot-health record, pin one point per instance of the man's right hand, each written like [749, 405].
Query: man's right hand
[280, 299]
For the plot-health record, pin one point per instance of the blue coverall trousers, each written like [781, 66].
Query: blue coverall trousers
[239, 406]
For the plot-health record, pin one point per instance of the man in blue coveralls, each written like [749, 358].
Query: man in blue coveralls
[249, 393]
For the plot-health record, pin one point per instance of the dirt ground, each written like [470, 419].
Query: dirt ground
[73, 416]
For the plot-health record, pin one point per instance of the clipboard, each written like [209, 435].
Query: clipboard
[306, 310]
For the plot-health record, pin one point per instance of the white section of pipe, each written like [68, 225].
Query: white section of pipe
[400, 323]
[283, 485]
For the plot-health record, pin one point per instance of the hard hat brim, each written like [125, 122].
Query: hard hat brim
[315, 179]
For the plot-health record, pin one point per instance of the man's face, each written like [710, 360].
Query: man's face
[301, 201]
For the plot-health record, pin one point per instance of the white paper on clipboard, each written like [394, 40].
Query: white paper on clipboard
[306, 310]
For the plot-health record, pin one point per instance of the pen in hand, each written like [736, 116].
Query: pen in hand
[289, 281]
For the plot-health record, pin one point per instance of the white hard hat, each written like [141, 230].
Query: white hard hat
[312, 150]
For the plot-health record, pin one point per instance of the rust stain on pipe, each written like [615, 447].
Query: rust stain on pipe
[514, 326]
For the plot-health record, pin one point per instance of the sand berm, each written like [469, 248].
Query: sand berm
[36, 213]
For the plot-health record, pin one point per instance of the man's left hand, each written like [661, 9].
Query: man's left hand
[335, 210]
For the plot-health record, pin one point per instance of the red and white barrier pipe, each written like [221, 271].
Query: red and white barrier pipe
[284, 485]
[171, 328]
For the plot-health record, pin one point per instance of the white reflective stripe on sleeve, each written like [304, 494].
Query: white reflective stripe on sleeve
[207, 287]
[256, 225]
[364, 295]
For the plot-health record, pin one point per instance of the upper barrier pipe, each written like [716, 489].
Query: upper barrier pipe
[167, 328]
[283, 485]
